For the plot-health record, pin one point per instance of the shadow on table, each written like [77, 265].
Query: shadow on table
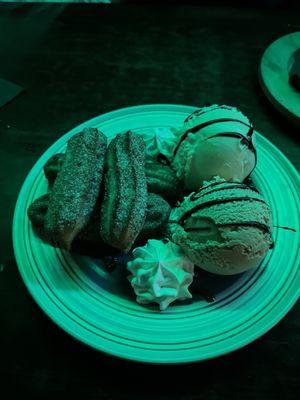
[281, 122]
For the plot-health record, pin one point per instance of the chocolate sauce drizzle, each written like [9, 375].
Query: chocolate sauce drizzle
[197, 128]
[213, 184]
[214, 202]
[246, 140]
[251, 224]
[236, 185]
[285, 227]
[201, 112]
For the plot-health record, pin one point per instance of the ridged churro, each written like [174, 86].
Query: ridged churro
[76, 187]
[123, 209]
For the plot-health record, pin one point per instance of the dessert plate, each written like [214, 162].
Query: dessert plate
[98, 308]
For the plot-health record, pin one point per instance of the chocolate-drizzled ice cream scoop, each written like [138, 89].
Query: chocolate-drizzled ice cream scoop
[225, 228]
[214, 141]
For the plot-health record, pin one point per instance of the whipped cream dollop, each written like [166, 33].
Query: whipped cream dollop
[161, 273]
[160, 141]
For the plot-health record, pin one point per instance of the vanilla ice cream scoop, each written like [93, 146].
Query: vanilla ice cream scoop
[225, 228]
[214, 141]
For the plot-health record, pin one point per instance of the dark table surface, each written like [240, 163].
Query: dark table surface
[77, 62]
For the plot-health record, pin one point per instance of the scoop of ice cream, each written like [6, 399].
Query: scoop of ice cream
[160, 143]
[214, 141]
[225, 228]
[161, 273]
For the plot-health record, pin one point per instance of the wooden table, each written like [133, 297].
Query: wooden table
[79, 61]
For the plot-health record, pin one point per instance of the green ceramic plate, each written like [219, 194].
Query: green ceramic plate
[99, 309]
[273, 75]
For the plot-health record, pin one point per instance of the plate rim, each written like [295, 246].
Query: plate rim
[110, 352]
[285, 108]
